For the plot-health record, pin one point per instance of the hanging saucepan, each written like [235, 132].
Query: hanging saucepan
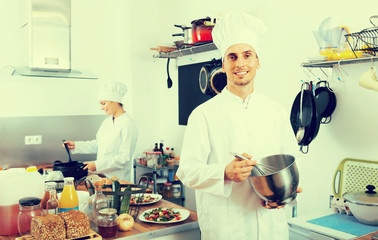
[212, 79]
[71, 168]
[326, 101]
[304, 115]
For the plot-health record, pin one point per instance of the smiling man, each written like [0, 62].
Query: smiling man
[239, 119]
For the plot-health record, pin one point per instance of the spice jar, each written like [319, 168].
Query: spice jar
[167, 190]
[106, 221]
[29, 208]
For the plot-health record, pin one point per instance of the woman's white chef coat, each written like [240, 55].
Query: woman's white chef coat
[115, 144]
[258, 126]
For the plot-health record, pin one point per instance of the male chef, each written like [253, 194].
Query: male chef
[239, 119]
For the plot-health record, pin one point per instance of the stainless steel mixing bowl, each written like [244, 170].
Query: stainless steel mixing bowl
[277, 187]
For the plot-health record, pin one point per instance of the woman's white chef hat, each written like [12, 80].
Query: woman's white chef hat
[111, 91]
[237, 27]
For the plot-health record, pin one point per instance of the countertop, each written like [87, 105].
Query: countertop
[340, 227]
[143, 230]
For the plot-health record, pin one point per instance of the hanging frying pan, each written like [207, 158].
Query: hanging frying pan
[326, 101]
[304, 115]
[212, 79]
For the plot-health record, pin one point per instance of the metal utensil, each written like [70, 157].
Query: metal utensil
[169, 80]
[257, 167]
[301, 130]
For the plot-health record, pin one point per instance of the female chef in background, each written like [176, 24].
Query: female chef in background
[116, 138]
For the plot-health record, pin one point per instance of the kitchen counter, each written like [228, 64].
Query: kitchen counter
[328, 225]
[143, 230]
[187, 229]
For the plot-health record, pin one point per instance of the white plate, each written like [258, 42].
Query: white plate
[184, 214]
[157, 197]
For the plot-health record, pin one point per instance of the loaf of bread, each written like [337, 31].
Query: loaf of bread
[76, 223]
[48, 227]
[65, 225]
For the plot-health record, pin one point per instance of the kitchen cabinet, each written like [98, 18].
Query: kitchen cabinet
[163, 172]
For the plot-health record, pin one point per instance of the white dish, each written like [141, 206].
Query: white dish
[157, 198]
[184, 214]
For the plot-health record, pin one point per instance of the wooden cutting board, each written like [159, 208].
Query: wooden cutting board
[92, 236]
[367, 236]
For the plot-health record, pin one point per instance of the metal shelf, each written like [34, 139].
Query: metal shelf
[187, 51]
[330, 64]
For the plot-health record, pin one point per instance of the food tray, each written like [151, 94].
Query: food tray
[354, 175]
[92, 235]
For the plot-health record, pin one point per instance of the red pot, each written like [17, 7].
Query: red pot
[201, 32]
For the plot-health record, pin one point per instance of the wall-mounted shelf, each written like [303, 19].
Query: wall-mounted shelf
[330, 64]
[187, 51]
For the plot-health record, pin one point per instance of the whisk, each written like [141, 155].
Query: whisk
[267, 169]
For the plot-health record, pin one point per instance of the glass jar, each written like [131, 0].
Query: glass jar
[160, 185]
[96, 202]
[106, 221]
[29, 208]
[167, 190]
[176, 189]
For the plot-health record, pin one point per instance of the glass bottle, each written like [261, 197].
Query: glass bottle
[96, 202]
[69, 199]
[172, 153]
[156, 148]
[49, 187]
[107, 224]
[53, 203]
[29, 208]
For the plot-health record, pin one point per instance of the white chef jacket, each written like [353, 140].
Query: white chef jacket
[258, 126]
[115, 144]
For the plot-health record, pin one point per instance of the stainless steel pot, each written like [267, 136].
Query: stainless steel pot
[279, 187]
[364, 205]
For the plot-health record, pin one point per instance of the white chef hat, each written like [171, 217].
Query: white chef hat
[238, 27]
[111, 91]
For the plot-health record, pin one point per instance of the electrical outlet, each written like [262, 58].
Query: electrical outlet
[32, 140]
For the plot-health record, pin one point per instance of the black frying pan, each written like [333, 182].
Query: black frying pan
[310, 118]
[326, 101]
[71, 168]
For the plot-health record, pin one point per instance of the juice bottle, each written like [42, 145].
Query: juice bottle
[69, 199]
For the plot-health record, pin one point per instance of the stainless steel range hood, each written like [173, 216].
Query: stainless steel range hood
[50, 41]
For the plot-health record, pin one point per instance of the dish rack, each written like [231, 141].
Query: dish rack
[354, 175]
[365, 41]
